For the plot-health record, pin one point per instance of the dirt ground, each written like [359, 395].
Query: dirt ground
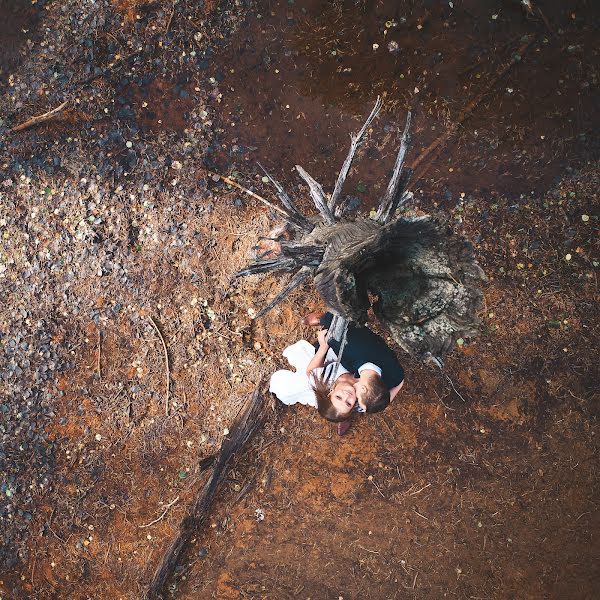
[484, 486]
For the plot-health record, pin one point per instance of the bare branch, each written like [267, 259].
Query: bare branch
[318, 196]
[291, 208]
[391, 194]
[297, 280]
[354, 146]
[229, 181]
[401, 197]
[40, 118]
[281, 263]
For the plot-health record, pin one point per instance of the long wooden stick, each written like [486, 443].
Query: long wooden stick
[467, 111]
[251, 193]
[356, 141]
[167, 367]
[40, 118]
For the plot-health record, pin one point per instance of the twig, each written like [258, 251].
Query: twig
[170, 18]
[40, 118]
[419, 491]
[418, 513]
[99, 357]
[545, 20]
[167, 507]
[167, 368]
[377, 488]
[250, 193]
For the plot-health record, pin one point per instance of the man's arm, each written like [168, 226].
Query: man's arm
[395, 390]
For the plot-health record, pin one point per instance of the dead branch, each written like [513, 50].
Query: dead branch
[40, 118]
[99, 355]
[297, 280]
[318, 196]
[397, 183]
[254, 195]
[167, 367]
[245, 425]
[281, 263]
[356, 141]
[298, 217]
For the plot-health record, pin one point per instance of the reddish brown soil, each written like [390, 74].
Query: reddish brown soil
[490, 494]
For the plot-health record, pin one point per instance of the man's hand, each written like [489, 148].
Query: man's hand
[321, 337]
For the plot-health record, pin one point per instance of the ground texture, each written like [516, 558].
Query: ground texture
[115, 238]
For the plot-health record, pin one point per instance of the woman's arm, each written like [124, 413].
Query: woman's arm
[318, 359]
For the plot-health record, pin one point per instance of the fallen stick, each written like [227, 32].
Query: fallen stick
[245, 425]
[167, 367]
[40, 118]
[467, 111]
[162, 516]
[250, 193]
[99, 363]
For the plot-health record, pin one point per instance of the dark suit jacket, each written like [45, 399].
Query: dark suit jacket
[363, 346]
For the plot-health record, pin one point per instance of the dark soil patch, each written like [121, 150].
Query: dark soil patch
[300, 77]
[18, 21]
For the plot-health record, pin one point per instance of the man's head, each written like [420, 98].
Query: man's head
[372, 394]
[336, 403]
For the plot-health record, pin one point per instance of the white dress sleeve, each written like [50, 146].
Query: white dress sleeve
[295, 387]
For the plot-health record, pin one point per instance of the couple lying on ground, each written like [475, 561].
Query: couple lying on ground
[368, 377]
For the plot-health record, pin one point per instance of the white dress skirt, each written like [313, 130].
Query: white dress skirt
[295, 387]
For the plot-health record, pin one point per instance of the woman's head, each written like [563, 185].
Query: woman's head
[335, 403]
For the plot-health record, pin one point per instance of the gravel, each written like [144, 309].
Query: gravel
[84, 201]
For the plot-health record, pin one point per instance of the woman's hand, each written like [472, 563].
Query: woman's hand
[321, 337]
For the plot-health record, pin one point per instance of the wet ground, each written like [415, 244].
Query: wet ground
[300, 77]
[18, 23]
[490, 492]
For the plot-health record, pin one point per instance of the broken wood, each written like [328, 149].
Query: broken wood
[397, 183]
[356, 141]
[251, 193]
[167, 366]
[40, 118]
[248, 420]
[318, 196]
[296, 281]
[298, 217]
